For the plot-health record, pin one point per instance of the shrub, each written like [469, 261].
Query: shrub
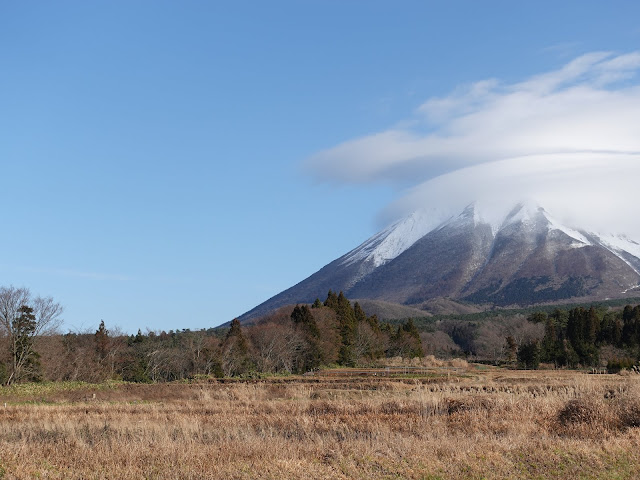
[616, 364]
[586, 418]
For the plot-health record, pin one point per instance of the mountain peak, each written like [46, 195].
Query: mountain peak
[393, 240]
[500, 254]
[527, 213]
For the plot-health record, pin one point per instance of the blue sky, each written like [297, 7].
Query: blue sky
[155, 155]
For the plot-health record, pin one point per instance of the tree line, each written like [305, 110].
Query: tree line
[291, 340]
[577, 337]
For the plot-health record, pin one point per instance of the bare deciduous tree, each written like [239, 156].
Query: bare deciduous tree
[276, 347]
[23, 319]
[367, 344]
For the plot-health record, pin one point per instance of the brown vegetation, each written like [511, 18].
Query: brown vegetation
[447, 422]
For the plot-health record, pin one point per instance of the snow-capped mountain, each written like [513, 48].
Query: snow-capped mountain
[521, 258]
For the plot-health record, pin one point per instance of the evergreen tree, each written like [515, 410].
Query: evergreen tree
[26, 363]
[529, 355]
[347, 323]
[235, 351]
[332, 300]
[138, 338]
[406, 342]
[302, 315]
[549, 342]
[560, 318]
[576, 329]
[631, 326]
[592, 326]
[102, 341]
[235, 333]
[311, 355]
[611, 330]
[411, 331]
[538, 317]
[511, 349]
[358, 313]
[22, 320]
[373, 323]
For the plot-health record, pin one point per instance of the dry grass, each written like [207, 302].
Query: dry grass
[491, 424]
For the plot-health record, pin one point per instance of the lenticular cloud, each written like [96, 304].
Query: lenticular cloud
[569, 138]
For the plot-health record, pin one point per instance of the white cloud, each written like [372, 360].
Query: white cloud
[595, 191]
[564, 135]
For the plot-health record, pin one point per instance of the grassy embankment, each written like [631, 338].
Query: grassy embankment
[465, 423]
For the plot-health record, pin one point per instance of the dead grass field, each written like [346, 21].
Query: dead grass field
[475, 423]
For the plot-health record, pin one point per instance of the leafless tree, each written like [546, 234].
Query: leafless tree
[276, 347]
[439, 344]
[23, 319]
[367, 344]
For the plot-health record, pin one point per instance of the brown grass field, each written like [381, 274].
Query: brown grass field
[472, 423]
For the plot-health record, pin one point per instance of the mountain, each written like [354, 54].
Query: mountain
[526, 257]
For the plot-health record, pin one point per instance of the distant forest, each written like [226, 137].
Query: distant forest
[302, 338]
[572, 337]
[578, 337]
[290, 341]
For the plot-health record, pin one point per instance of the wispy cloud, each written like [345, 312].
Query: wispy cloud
[539, 136]
[562, 50]
[78, 274]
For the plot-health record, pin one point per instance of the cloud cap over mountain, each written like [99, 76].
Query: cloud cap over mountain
[569, 138]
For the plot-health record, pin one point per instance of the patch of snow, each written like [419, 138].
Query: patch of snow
[619, 244]
[480, 214]
[582, 241]
[577, 245]
[488, 218]
[630, 288]
[525, 213]
[391, 242]
[400, 236]
[530, 213]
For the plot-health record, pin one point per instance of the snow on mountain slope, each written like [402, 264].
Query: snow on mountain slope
[581, 240]
[397, 238]
[524, 213]
[394, 240]
[622, 246]
[501, 254]
[530, 213]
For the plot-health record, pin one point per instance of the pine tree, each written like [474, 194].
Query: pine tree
[529, 355]
[332, 300]
[235, 333]
[102, 341]
[549, 342]
[347, 322]
[311, 355]
[235, 351]
[511, 349]
[358, 313]
[537, 317]
[575, 328]
[26, 363]
[592, 326]
[406, 342]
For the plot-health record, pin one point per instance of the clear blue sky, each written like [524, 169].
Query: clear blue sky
[152, 151]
